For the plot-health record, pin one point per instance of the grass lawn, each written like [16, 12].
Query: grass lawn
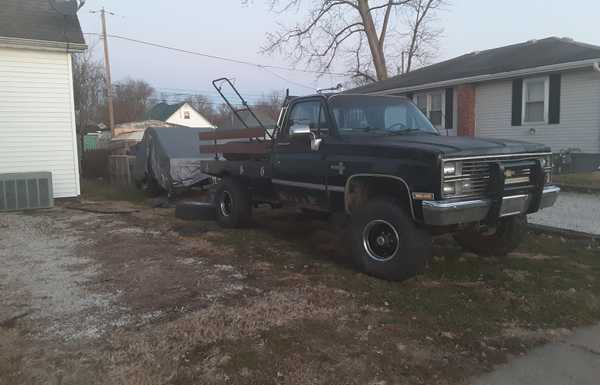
[588, 179]
[102, 190]
[465, 315]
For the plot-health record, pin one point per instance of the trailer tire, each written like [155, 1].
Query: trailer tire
[508, 235]
[191, 211]
[233, 204]
[386, 242]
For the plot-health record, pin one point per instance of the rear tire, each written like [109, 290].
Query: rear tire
[507, 236]
[233, 204]
[386, 243]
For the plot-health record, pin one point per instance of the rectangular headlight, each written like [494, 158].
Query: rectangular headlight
[449, 188]
[449, 169]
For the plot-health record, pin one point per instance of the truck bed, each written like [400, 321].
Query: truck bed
[252, 169]
[237, 145]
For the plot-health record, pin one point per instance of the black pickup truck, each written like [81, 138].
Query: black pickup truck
[379, 161]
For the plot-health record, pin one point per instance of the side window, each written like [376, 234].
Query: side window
[311, 114]
[421, 102]
[324, 123]
[435, 110]
[432, 104]
[535, 100]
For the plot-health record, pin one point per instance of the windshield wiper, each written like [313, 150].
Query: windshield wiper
[409, 130]
[373, 129]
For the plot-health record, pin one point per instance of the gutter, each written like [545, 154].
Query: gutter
[44, 45]
[595, 63]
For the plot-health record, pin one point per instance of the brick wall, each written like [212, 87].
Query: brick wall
[465, 95]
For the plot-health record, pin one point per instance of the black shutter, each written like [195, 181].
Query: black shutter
[449, 107]
[554, 100]
[517, 102]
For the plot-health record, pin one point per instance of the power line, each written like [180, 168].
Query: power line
[205, 92]
[231, 60]
[288, 80]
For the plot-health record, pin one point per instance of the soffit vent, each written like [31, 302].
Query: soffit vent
[26, 191]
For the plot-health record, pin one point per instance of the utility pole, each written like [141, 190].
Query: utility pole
[402, 69]
[109, 92]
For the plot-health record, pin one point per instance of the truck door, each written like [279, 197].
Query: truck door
[298, 164]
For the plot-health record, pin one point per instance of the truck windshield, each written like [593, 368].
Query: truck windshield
[391, 115]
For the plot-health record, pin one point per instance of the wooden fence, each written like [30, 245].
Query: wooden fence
[95, 163]
[120, 169]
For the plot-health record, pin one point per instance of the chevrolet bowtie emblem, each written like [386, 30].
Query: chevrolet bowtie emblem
[509, 173]
[340, 168]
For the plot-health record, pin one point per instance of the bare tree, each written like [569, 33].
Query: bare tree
[88, 86]
[132, 100]
[203, 105]
[223, 117]
[269, 106]
[335, 28]
[422, 38]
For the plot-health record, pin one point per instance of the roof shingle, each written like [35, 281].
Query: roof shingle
[36, 20]
[531, 54]
[163, 111]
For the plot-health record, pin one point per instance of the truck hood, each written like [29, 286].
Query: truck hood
[455, 146]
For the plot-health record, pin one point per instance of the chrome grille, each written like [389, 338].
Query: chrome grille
[473, 174]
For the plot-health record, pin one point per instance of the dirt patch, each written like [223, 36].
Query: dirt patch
[145, 298]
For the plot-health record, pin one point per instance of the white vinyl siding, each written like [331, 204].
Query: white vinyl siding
[579, 114]
[37, 123]
[188, 117]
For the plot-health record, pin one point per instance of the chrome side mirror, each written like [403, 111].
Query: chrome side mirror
[303, 131]
[299, 130]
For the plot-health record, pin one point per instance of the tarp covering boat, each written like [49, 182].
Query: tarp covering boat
[171, 157]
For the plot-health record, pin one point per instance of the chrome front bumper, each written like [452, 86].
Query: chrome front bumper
[444, 213]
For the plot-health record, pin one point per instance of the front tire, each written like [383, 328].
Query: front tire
[233, 204]
[505, 238]
[386, 243]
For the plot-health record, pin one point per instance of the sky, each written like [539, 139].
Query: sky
[228, 28]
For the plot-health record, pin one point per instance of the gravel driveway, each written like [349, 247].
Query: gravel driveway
[572, 211]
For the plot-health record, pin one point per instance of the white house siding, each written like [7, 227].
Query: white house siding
[579, 114]
[37, 122]
[195, 120]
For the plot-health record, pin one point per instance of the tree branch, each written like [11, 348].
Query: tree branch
[391, 3]
[384, 27]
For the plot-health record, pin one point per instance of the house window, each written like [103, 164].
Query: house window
[535, 100]
[186, 115]
[432, 104]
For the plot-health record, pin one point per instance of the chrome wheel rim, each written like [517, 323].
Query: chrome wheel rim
[381, 240]
[226, 203]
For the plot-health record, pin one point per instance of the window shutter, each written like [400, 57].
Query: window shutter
[449, 107]
[517, 102]
[554, 99]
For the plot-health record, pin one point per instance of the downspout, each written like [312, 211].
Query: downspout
[596, 67]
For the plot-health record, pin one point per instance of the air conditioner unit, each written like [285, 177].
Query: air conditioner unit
[24, 191]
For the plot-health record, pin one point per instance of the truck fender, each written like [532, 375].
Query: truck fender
[348, 196]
